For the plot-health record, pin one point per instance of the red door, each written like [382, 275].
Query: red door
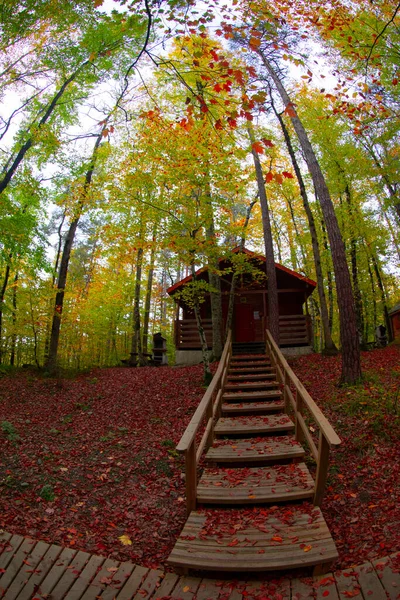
[244, 323]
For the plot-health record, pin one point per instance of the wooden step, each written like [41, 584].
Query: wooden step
[254, 425]
[251, 396]
[251, 486]
[256, 377]
[263, 539]
[243, 408]
[251, 385]
[234, 364]
[251, 370]
[250, 357]
[267, 449]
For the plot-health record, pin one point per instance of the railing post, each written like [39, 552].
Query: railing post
[322, 469]
[210, 415]
[191, 477]
[286, 398]
[299, 410]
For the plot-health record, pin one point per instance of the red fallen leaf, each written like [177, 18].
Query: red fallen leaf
[234, 542]
[351, 593]
[277, 538]
[106, 580]
[325, 593]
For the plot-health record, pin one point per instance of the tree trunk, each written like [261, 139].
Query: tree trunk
[351, 365]
[14, 321]
[29, 142]
[383, 297]
[329, 345]
[273, 306]
[51, 361]
[149, 288]
[204, 346]
[354, 266]
[214, 281]
[136, 350]
[2, 294]
[231, 305]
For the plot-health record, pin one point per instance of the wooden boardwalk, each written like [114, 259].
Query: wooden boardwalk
[35, 570]
[239, 519]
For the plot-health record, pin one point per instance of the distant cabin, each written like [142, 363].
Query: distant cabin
[394, 315]
[250, 317]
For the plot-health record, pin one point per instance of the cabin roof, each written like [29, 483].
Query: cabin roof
[236, 250]
[395, 309]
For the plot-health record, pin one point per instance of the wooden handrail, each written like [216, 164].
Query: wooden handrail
[296, 401]
[207, 410]
[329, 433]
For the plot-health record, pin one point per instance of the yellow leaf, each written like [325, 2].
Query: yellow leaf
[186, 589]
[125, 540]
[307, 548]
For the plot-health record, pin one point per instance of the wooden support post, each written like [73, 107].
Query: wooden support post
[286, 398]
[210, 419]
[322, 469]
[299, 410]
[191, 477]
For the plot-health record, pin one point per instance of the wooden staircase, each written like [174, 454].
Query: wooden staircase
[255, 507]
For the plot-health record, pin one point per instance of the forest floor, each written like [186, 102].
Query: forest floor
[90, 462]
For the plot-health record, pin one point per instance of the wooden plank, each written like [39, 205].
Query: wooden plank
[261, 385]
[56, 572]
[133, 583]
[71, 573]
[270, 544]
[166, 586]
[271, 590]
[10, 547]
[28, 566]
[259, 377]
[371, 585]
[208, 590]
[347, 584]
[186, 588]
[250, 396]
[302, 589]
[149, 585]
[255, 485]
[41, 571]
[252, 407]
[326, 583]
[99, 582]
[255, 450]
[118, 580]
[389, 575]
[17, 561]
[244, 425]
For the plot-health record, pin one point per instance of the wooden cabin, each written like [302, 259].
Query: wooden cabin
[250, 318]
[394, 315]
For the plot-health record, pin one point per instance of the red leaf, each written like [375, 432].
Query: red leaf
[269, 177]
[287, 175]
[257, 147]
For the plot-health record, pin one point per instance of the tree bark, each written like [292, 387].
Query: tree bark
[147, 303]
[351, 365]
[354, 267]
[273, 306]
[14, 321]
[231, 305]
[51, 361]
[329, 345]
[29, 142]
[136, 350]
[202, 335]
[2, 295]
